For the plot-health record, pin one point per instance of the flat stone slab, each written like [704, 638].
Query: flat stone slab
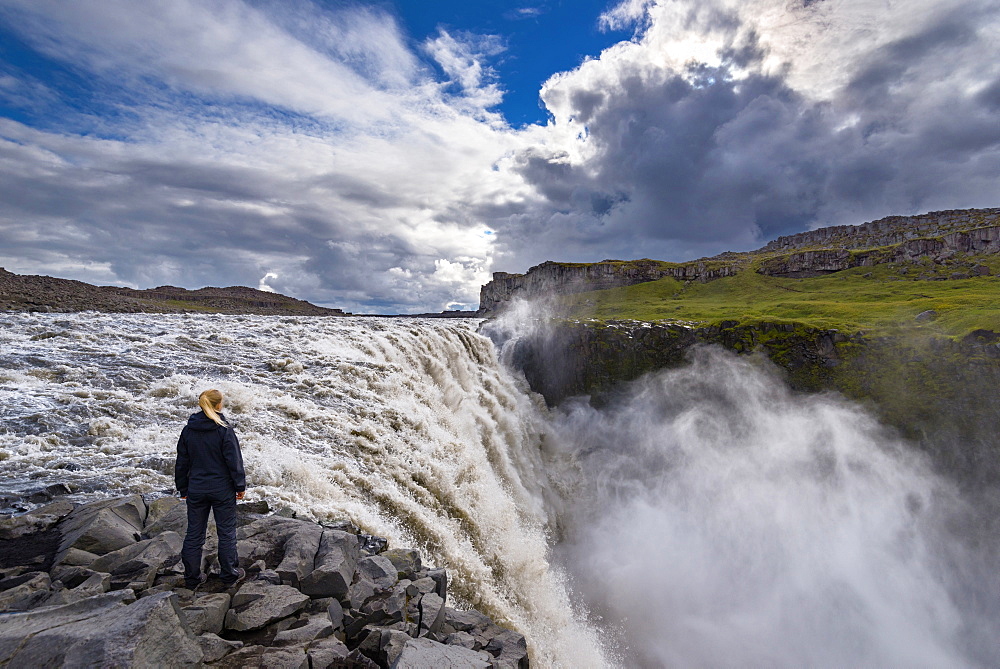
[101, 631]
[423, 653]
[258, 604]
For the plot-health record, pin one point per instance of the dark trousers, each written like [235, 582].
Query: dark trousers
[223, 507]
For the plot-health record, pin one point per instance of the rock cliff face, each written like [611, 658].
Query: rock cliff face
[938, 249]
[552, 278]
[44, 293]
[937, 235]
[888, 231]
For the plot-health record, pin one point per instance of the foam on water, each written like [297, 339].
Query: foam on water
[409, 428]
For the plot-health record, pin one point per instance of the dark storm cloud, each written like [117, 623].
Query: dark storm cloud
[733, 154]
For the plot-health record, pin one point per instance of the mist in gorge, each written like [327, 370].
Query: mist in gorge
[724, 520]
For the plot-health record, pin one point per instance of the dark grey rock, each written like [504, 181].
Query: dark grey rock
[208, 613]
[334, 566]
[422, 586]
[509, 650]
[215, 647]
[258, 604]
[25, 591]
[463, 639]
[926, 316]
[327, 653]
[167, 514]
[405, 560]
[465, 621]
[15, 527]
[424, 653]
[101, 631]
[264, 657]
[161, 548]
[77, 557]
[432, 613]
[358, 660]
[440, 577]
[378, 570]
[104, 526]
[287, 545]
[305, 631]
[336, 614]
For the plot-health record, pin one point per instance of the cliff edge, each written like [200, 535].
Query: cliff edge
[943, 237]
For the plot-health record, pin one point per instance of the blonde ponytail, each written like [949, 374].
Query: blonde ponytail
[208, 400]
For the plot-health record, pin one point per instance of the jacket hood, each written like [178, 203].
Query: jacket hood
[199, 421]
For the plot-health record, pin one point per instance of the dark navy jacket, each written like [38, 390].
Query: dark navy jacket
[208, 458]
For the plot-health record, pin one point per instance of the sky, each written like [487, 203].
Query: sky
[388, 156]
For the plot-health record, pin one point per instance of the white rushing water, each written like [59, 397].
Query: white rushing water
[706, 517]
[410, 428]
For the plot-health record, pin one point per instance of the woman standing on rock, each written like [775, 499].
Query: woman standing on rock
[209, 475]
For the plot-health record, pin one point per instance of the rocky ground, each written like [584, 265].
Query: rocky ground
[101, 584]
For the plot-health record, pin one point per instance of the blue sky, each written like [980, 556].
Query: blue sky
[539, 39]
[389, 156]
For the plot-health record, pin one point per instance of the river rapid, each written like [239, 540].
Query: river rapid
[706, 517]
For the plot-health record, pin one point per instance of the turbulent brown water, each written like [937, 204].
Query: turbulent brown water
[707, 517]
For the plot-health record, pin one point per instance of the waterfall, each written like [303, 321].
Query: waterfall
[410, 428]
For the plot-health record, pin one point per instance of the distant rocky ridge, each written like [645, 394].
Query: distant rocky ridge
[44, 293]
[940, 236]
[101, 585]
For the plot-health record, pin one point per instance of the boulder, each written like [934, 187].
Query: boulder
[336, 614]
[25, 591]
[102, 527]
[465, 621]
[258, 604]
[33, 522]
[135, 566]
[463, 639]
[440, 577]
[263, 657]
[405, 560]
[509, 650]
[138, 574]
[378, 570]
[423, 653]
[77, 557]
[167, 514]
[305, 631]
[83, 582]
[334, 565]
[432, 613]
[328, 652]
[101, 632]
[392, 645]
[421, 587]
[287, 545]
[215, 647]
[208, 613]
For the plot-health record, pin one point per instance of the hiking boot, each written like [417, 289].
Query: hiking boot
[241, 575]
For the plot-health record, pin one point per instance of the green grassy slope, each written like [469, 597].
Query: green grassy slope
[876, 299]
